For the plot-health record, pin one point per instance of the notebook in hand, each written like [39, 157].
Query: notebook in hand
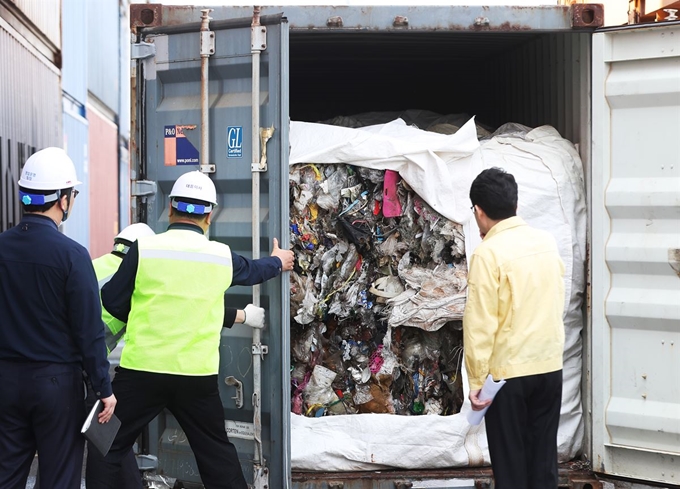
[101, 435]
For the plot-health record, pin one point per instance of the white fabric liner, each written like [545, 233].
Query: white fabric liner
[441, 168]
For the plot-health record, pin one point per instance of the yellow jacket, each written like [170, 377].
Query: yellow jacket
[513, 317]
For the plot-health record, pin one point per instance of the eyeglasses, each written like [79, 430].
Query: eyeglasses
[472, 208]
[75, 193]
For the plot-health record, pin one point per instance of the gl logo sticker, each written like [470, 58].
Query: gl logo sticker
[234, 141]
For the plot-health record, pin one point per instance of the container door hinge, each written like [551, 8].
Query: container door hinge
[207, 43]
[258, 38]
[260, 349]
[143, 50]
[142, 188]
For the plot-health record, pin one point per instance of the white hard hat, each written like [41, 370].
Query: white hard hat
[49, 169]
[196, 186]
[134, 231]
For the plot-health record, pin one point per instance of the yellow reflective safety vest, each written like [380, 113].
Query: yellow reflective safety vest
[104, 267]
[177, 305]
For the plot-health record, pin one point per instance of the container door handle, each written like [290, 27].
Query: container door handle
[238, 398]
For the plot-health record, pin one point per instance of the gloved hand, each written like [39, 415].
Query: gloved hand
[254, 316]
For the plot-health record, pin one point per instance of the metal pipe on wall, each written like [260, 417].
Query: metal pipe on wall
[258, 32]
[207, 50]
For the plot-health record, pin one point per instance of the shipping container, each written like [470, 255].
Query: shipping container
[76, 144]
[103, 157]
[124, 211]
[43, 18]
[76, 126]
[614, 92]
[30, 104]
[74, 60]
[103, 46]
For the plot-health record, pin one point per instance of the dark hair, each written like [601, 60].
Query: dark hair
[47, 205]
[495, 191]
[187, 215]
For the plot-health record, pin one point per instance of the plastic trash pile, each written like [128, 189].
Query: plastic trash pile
[377, 296]
[341, 361]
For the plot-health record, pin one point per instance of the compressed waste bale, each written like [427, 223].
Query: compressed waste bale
[374, 297]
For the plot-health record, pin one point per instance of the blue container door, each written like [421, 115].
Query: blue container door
[169, 125]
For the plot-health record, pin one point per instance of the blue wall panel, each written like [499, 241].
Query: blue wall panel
[104, 52]
[76, 144]
[74, 51]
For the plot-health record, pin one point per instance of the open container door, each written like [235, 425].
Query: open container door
[167, 142]
[636, 253]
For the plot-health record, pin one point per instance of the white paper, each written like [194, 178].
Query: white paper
[90, 416]
[489, 391]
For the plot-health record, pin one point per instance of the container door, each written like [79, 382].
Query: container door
[636, 253]
[168, 126]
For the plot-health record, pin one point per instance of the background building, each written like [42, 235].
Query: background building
[64, 82]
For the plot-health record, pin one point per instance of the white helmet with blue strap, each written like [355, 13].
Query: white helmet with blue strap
[194, 193]
[47, 169]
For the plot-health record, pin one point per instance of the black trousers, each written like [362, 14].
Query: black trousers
[195, 402]
[521, 428]
[129, 476]
[42, 407]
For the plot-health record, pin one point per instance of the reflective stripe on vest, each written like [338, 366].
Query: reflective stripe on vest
[177, 306]
[105, 267]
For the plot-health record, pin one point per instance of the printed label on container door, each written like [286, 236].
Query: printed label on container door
[240, 429]
[178, 149]
[234, 141]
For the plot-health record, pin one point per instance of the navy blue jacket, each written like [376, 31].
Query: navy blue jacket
[117, 292]
[49, 301]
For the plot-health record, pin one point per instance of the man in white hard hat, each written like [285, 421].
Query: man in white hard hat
[50, 330]
[170, 292]
[105, 267]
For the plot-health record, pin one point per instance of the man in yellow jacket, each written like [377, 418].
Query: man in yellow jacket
[513, 330]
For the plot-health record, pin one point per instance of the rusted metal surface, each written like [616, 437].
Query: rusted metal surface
[572, 475]
[663, 14]
[587, 15]
[384, 18]
[145, 15]
[400, 21]
[335, 21]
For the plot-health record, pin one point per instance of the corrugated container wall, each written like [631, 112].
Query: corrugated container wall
[104, 52]
[103, 108]
[77, 226]
[103, 182]
[549, 88]
[45, 15]
[124, 214]
[30, 110]
[74, 60]
[74, 72]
